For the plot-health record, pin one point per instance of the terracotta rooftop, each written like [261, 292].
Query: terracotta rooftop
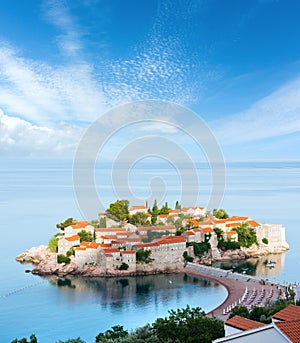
[72, 238]
[207, 230]
[292, 312]
[290, 329]
[171, 240]
[79, 225]
[142, 207]
[156, 228]
[237, 218]
[231, 232]
[111, 250]
[243, 324]
[233, 224]
[253, 223]
[128, 252]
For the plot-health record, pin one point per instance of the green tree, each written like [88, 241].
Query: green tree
[63, 259]
[187, 257]
[114, 333]
[53, 244]
[260, 314]
[201, 248]
[165, 209]
[219, 232]
[32, 338]
[220, 213]
[66, 223]
[177, 205]
[123, 266]
[170, 221]
[85, 236]
[142, 255]
[265, 240]
[95, 223]
[118, 210]
[102, 222]
[241, 311]
[246, 235]
[188, 325]
[138, 219]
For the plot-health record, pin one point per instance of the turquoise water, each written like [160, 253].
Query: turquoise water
[35, 195]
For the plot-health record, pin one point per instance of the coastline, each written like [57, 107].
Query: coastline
[235, 289]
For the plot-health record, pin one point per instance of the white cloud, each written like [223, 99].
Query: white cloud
[275, 115]
[20, 138]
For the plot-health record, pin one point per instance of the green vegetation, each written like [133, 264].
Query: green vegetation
[247, 235]
[118, 210]
[165, 209]
[219, 232]
[66, 223]
[102, 223]
[154, 235]
[138, 219]
[265, 240]
[220, 213]
[188, 325]
[187, 257]
[72, 340]
[123, 266]
[94, 223]
[177, 205]
[85, 236]
[228, 245]
[142, 255]
[200, 249]
[115, 333]
[53, 244]
[63, 259]
[32, 338]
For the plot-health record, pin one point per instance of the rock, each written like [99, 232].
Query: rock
[34, 255]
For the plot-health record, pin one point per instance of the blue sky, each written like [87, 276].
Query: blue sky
[235, 63]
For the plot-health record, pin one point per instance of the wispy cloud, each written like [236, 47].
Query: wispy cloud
[275, 115]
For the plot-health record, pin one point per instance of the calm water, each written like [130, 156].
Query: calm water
[34, 196]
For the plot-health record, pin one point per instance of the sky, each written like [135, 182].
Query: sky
[235, 64]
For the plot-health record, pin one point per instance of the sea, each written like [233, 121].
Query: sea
[37, 194]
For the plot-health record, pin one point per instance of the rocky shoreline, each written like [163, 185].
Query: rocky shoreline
[45, 263]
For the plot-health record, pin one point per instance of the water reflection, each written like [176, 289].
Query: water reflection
[119, 291]
[256, 266]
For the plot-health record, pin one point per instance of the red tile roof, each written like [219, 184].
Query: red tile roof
[108, 255]
[72, 238]
[253, 223]
[128, 252]
[237, 218]
[156, 228]
[111, 250]
[233, 224]
[207, 230]
[171, 240]
[292, 312]
[111, 229]
[243, 324]
[290, 329]
[142, 207]
[190, 233]
[80, 248]
[80, 225]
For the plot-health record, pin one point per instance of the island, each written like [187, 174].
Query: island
[141, 240]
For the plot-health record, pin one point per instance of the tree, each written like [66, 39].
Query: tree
[32, 338]
[138, 219]
[102, 222]
[85, 236]
[220, 213]
[241, 311]
[201, 248]
[246, 235]
[177, 205]
[187, 257]
[118, 210]
[53, 244]
[95, 223]
[142, 255]
[219, 232]
[63, 259]
[66, 223]
[188, 325]
[165, 209]
[115, 332]
[265, 240]
[260, 313]
[123, 266]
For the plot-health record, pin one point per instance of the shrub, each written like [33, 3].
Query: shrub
[228, 245]
[63, 259]
[53, 244]
[187, 257]
[123, 266]
[265, 240]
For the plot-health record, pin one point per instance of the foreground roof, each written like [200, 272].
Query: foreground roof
[242, 323]
[290, 329]
[292, 312]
